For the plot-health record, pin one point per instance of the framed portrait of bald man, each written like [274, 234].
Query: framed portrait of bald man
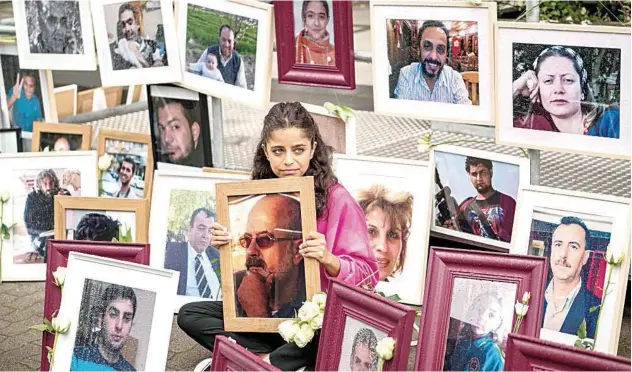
[433, 60]
[54, 34]
[60, 137]
[180, 129]
[577, 231]
[265, 279]
[184, 207]
[119, 314]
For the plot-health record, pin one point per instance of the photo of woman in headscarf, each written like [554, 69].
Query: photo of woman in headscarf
[559, 91]
[389, 217]
[313, 44]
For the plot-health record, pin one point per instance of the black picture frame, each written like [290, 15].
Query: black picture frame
[205, 130]
[18, 136]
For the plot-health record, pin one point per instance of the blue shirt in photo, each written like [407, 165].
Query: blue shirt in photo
[25, 111]
[88, 358]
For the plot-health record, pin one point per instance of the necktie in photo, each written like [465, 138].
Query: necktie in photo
[202, 283]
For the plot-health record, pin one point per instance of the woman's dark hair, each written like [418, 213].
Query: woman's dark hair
[97, 227]
[287, 115]
[306, 3]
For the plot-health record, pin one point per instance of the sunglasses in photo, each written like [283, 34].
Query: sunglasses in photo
[267, 240]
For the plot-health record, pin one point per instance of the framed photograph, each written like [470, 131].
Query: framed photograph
[228, 355]
[131, 173]
[136, 42]
[531, 354]
[576, 231]
[392, 196]
[246, 174]
[118, 306]
[428, 62]
[54, 34]
[273, 215]
[475, 195]
[184, 207]
[469, 308]
[10, 140]
[26, 95]
[227, 49]
[355, 321]
[34, 180]
[98, 219]
[587, 112]
[337, 133]
[61, 137]
[58, 251]
[180, 126]
[315, 43]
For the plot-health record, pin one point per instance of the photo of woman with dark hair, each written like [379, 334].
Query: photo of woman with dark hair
[313, 45]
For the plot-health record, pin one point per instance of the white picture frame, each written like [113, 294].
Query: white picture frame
[132, 76]
[83, 161]
[357, 173]
[538, 34]
[512, 189]
[597, 209]
[48, 105]
[165, 181]
[485, 16]
[162, 283]
[40, 61]
[262, 12]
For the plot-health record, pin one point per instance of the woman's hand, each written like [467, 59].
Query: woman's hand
[315, 247]
[219, 235]
[527, 85]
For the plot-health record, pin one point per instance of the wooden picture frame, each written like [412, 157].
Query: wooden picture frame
[460, 103]
[66, 100]
[448, 162]
[530, 354]
[58, 251]
[340, 74]
[228, 355]
[97, 99]
[137, 206]
[134, 138]
[519, 47]
[345, 302]
[446, 266]
[88, 279]
[6, 132]
[225, 171]
[83, 130]
[607, 219]
[304, 187]
[256, 93]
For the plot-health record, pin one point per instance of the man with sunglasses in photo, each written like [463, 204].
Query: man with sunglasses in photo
[273, 284]
[432, 79]
[196, 260]
[130, 49]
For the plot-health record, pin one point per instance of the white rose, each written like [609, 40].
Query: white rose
[308, 311]
[288, 330]
[60, 324]
[320, 299]
[59, 276]
[304, 335]
[525, 297]
[5, 195]
[615, 259]
[385, 347]
[521, 309]
[317, 322]
[105, 161]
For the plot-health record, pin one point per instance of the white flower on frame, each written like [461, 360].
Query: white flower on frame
[521, 309]
[105, 161]
[60, 324]
[288, 330]
[526, 297]
[59, 276]
[5, 195]
[308, 311]
[304, 335]
[320, 299]
[385, 347]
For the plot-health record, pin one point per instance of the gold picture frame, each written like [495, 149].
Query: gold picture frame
[39, 128]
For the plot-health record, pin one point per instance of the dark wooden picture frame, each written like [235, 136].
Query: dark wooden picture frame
[18, 136]
[445, 264]
[393, 318]
[532, 354]
[58, 251]
[342, 75]
[228, 355]
[304, 187]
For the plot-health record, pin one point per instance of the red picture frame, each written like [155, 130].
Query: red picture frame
[228, 355]
[393, 318]
[526, 353]
[58, 256]
[444, 265]
[342, 75]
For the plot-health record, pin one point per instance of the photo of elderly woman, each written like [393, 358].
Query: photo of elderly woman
[566, 89]
[480, 319]
[314, 30]
[389, 216]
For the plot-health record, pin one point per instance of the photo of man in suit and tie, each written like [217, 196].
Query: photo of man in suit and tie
[195, 259]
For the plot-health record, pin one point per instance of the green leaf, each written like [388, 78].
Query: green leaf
[41, 327]
[578, 343]
[48, 323]
[581, 331]
[394, 297]
[594, 308]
